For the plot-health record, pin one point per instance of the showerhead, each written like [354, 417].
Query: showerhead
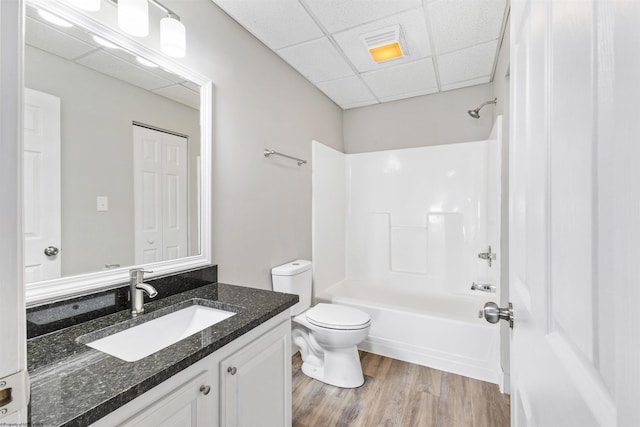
[476, 113]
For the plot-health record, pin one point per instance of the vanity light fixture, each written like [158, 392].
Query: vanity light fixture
[50, 17]
[133, 17]
[384, 44]
[173, 39]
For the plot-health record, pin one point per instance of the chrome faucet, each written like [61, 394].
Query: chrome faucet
[138, 289]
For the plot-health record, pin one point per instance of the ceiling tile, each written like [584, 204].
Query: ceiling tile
[337, 15]
[467, 64]
[457, 24]
[466, 83]
[181, 94]
[348, 92]
[44, 37]
[414, 31]
[190, 85]
[317, 60]
[413, 79]
[277, 23]
[119, 69]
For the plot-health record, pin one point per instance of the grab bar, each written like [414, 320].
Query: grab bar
[268, 152]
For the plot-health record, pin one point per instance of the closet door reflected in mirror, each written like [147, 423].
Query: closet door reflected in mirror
[160, 194]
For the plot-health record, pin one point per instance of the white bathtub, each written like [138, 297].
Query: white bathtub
[436, 330]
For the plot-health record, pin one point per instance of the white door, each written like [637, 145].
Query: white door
[160, 195]
[41, 191]
[569, 333]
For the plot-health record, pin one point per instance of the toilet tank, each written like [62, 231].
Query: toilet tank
[294, 278]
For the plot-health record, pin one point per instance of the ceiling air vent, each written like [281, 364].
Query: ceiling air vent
[384, 44]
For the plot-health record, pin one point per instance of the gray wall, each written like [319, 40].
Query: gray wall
[97, 155]
[415, 122]
[261, 207]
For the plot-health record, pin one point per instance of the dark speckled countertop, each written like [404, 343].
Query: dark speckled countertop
[75, 385]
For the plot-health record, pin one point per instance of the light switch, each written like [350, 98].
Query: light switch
[102, 204]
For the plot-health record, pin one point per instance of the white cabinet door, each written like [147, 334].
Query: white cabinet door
[184, 400]
[187, 406]
[255, 382]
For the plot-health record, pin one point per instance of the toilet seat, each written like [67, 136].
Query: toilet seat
[334, 316]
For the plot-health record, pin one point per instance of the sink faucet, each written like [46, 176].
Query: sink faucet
[138, 287]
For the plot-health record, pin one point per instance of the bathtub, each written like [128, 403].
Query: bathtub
[440, 331]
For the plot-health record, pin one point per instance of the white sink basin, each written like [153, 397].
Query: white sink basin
[140, 341]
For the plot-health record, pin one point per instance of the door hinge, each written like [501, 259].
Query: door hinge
[14, 393]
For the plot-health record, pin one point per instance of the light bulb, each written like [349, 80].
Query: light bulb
[133, 17]
[90, 5]
[173, 37]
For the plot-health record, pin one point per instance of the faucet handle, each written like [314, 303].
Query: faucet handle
[138, 272]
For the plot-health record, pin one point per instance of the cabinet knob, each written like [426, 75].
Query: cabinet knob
[205, 389]
[232, 370]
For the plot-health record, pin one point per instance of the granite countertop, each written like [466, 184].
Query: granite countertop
[75, 385]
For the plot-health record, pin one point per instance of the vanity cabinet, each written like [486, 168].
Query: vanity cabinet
[245, 383]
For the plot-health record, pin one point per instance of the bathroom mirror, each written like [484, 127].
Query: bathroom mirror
[117, 142]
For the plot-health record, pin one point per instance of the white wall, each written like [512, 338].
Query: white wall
[329, 216]
[97, 155]
[262, 207]
[435, 119]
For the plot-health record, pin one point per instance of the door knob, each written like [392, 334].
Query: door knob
[51, 251]
[232, 370]
[492, 313]
[205, 389]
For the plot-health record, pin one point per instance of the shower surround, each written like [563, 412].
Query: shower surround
[397, 234]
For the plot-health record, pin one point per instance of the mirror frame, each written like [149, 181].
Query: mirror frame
[38, 293]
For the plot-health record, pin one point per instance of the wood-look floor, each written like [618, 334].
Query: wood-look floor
[397, 393]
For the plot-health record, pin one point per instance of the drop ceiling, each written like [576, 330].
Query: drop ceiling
[449, 44]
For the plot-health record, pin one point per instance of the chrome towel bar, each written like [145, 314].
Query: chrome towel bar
[268, 152]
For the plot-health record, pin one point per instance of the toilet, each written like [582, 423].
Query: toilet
[326, 334]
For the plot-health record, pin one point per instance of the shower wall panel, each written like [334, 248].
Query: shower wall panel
[417, 218]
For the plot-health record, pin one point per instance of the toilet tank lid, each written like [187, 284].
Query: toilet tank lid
[291, 268]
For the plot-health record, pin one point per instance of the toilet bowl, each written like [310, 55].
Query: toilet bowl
[326, 334]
